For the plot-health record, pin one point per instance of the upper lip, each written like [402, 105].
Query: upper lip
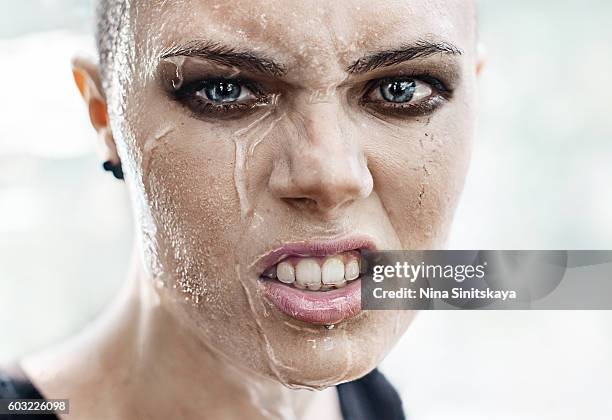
[314, 248]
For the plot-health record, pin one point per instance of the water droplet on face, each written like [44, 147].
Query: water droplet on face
[329, 327]
[328, 343]
[177, 79]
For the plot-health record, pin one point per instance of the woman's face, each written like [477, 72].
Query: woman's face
[266, 143]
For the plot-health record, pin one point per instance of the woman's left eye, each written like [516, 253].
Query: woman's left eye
[406, 96]
[400, 91]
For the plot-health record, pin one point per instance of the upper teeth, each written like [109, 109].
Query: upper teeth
[308, 274]
[332, 272]
[317, 273]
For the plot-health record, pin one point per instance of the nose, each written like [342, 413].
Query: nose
[322, 169]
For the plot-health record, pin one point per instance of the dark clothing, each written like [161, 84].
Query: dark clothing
[18, 386]
[369, 398]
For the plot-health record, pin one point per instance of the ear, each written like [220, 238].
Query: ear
[481, 59]
[87, 78]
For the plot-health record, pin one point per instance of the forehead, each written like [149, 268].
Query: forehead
[306, 32]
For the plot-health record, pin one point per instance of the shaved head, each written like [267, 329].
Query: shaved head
[113, 17]
[110, 16]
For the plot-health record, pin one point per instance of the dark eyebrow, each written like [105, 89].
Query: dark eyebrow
[228, 56]
[420, 49]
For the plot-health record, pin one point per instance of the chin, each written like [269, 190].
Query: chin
[314, 357]
[324, 371]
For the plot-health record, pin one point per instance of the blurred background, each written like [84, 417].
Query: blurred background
[541, 179]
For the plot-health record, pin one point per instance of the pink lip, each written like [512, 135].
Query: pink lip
[314, 249]
[315, 307]
[323, 308]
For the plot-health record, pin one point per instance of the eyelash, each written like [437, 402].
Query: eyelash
[187, 95]
[201, 107]
[441, 93]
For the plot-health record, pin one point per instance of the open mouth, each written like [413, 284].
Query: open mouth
[316, 282]
[317, 273]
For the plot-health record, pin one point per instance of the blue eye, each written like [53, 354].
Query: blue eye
[224, 98]
[222, 91]
[398, 91]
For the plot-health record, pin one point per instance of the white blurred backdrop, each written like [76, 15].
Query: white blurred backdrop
[541, 179]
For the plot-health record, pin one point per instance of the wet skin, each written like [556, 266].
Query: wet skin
[245, 126]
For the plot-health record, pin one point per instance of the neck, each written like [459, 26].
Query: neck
[148, 365]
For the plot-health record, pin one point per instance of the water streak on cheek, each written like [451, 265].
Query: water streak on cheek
[246, 141]
[150, 145]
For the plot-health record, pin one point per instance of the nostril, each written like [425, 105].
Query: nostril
[304, 203]
[323, 180]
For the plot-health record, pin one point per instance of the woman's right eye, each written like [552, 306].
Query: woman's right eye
[221, 97]
[224, 91]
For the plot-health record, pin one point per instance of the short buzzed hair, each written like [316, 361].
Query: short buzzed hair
[110, 16]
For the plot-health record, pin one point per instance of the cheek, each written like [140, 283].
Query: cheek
[190, 221]
[419, 172]
[193, 216]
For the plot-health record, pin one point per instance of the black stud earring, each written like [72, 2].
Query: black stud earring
[115, 168]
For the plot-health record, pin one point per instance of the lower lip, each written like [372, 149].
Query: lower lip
[322, 308]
